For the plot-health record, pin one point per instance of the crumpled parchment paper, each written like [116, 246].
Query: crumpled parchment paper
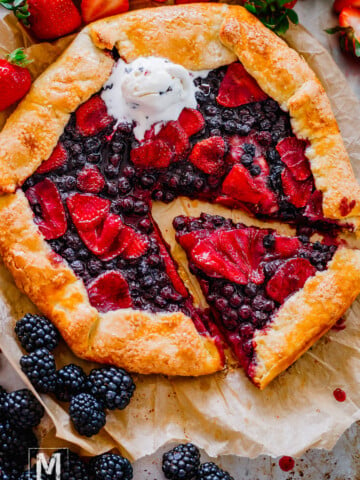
[222, 413]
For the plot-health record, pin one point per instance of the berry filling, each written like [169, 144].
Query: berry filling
[246, 273]
[92, 201]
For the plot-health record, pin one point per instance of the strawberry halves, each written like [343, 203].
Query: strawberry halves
[56, 160]
[239, 88]
[92, 116]
[53, 223]
[109, 291]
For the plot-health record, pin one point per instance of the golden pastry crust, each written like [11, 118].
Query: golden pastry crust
[135, 340]
[306, 316]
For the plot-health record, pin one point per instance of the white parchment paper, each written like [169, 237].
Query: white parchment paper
[225, 413]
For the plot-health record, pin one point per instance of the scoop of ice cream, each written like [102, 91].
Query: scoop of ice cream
[148, 91]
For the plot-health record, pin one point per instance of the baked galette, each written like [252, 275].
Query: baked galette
[198, 101]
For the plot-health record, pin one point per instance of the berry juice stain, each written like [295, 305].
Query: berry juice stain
[339, 325]
[286, 463]
[339, 395]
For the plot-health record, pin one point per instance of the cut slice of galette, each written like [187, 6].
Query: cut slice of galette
[198, 101]
[267, 291]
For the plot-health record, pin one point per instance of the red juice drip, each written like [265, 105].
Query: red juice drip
[339, 395]
[286, 463]
[339, 325]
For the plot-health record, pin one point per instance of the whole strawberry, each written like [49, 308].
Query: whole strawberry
[46, 19]
[15, 79]
[349, 30]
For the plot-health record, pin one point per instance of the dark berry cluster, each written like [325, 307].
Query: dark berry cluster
[111, 467]
[183, 463]
[20, 412]
[87, 414]
[35, 332]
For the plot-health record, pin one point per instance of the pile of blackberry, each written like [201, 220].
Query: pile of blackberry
[105, 388]
[72, 467]
[183, 463]
[20, 413]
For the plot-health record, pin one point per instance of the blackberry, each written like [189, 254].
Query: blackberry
[182, 462]
[15, 442]
[39, 366]
[2, 401]
[71, 379]
[210, 471]
[23, 409]
[87, 414]
[35, 332]
[3, 475]
[72, 467]
[112, 386]
[12, 466]
[32, 475]
[110, 466]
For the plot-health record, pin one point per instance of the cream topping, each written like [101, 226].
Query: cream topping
[149, 91]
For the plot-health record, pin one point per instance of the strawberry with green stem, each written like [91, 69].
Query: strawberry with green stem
[15, 79]
[349, 30]
[46, 19]
[274, 14]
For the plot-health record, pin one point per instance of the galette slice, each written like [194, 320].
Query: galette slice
[272, 296]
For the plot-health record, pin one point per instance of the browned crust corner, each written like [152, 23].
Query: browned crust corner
[306, 316]
[138, 341]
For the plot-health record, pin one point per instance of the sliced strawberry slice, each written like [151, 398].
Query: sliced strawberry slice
[191, 121]
[137, 243]
[100, 239]
[208, 155]
[53, 223]
[175, 136]
[290, 278]
[297, 192]
[232, 254]
[240, 185]
[94, 9]
[109, 291]
[313, 208]
[239, 88]
[90, 179]
[152, 154]
[92, 116]
[128, 243]
[170, 269]
[87, 211]
[292, 153]
[189, 240]
[56, 160]
[286, 246]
